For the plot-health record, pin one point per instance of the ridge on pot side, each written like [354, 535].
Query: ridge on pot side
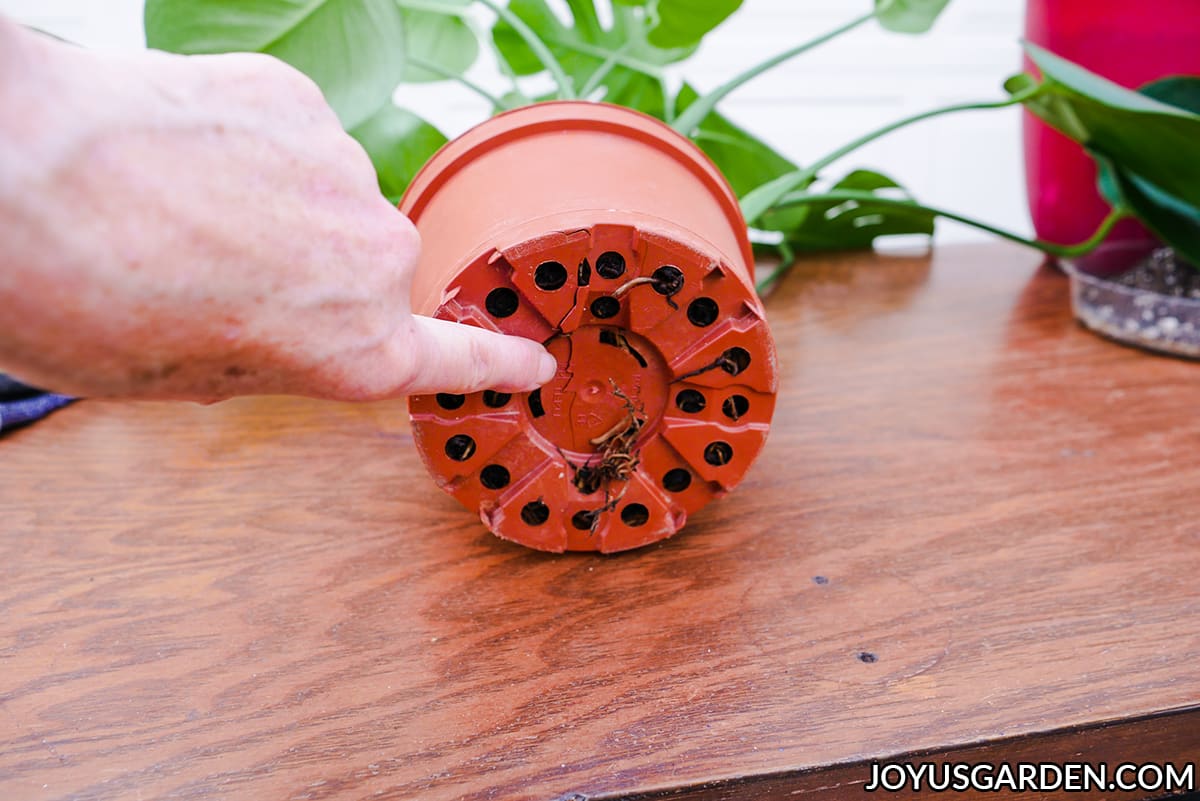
[613, 240]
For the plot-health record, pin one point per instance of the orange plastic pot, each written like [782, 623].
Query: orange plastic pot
[608, 237]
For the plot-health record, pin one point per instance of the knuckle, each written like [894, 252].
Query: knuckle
[281, 77]
[306, 89]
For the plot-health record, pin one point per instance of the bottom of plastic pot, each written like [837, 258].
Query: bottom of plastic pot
[663, 397]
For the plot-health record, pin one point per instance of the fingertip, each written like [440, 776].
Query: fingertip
[453, 357]
[547, 367]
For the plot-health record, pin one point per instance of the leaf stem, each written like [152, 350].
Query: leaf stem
[1052, 248]
[566, 90]
[602, 72]
[694, 114]
[635, 64]
[438, 69]
[787, 258]
[759, 200]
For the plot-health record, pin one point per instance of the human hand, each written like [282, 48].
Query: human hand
[200, 227]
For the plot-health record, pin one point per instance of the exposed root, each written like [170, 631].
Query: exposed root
[630, 284]
[668, 289]
[724, 361]
[616, 339]
[617, 458]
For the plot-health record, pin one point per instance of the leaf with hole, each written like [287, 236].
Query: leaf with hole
[628, 66]
[352, 49]
[849, 224]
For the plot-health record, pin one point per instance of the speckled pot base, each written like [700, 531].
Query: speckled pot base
[1155, 305]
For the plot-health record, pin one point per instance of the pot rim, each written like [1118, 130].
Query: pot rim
[581, 115]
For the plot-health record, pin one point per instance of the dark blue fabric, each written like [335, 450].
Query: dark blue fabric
[11, 389]
[21, 404]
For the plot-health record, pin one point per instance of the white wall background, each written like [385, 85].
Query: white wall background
[970, 163]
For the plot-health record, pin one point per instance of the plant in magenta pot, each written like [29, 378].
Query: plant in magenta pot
[1150, 302]
[1146, 147]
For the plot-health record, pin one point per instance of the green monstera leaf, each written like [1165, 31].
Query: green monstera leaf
[854, 212]
[909, 16]
[352, 49]
[627, 57]
[683, 23]
[745, 160]
[399, 143]
[438, 42]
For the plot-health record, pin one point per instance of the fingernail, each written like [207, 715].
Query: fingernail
[547, 369]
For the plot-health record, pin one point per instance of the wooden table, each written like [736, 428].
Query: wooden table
[973, 533]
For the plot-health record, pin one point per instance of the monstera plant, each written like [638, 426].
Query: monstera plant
[359, 51]
[1147, 143]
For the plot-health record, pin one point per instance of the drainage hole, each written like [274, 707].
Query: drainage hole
[690, 401]
[550, 275]
[735, 360]
[535, 403]
[677, 480]
[494, 477]
[634, 515]
[460, 447]
[450, 402]
[718, 453]
[535, 513]
[606, 307]
[668, 280]
[502, 302]
[495, 400]
[610, 265]
[735, 406]
[703, 312]
[583, 520]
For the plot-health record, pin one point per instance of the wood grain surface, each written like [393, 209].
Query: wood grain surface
[973, 527]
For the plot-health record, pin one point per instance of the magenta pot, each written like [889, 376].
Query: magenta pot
[1127, 42]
